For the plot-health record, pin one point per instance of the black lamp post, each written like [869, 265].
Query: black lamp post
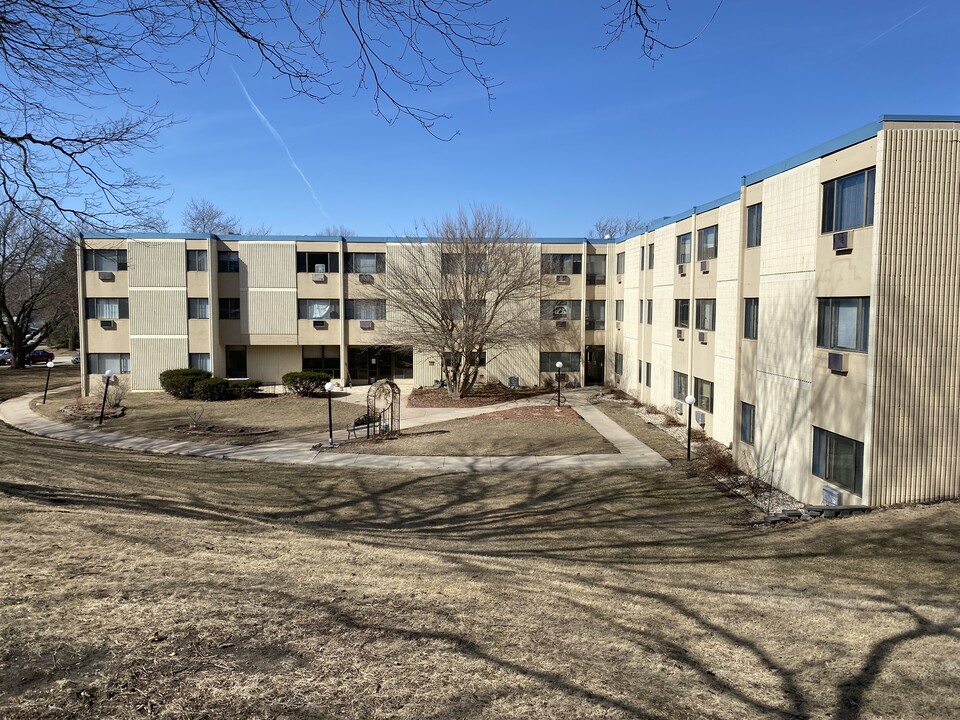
[329, 388]
[559, 365]
[47, 384]
[107, 376]
[690, 399]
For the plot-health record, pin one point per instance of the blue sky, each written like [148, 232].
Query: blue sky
[576, 132]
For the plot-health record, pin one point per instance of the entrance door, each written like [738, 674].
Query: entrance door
[594, 369]
[236, 362]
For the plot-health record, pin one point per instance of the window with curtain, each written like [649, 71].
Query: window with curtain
[683, 248]
[198, 308]
[196, 260]
[848, 201]
[105, 260]
[117, 363]
[703, 392]
[707, 243]
[842, 323]
[312, 309]
[367, 263]
[706, 314]
[621, 263]
[366, 309]
[559, 309]
[107, 308]
[200, 361]
[679, 385]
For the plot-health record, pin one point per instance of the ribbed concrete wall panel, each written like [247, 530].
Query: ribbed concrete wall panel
[917, 314]
[268, 265]
[156, 263]
[151, 356]
[158, 312]
[269, 312]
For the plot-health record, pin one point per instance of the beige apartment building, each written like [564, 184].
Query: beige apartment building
[814, 314]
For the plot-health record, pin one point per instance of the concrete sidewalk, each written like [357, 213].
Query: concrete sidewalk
[632, 453]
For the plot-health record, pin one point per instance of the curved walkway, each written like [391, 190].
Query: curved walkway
[632, 453]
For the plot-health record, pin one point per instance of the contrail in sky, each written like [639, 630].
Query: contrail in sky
[276, 135]
[890, 30]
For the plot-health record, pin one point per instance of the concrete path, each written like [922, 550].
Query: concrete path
[632, 452]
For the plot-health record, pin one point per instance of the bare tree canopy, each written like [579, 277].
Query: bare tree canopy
[616, 227]
[64, 63]
[628, 16]
[336, 231]
[37, 279]
[466, 289]
[202, 216]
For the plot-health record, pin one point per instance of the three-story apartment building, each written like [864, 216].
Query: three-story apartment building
[812, 314]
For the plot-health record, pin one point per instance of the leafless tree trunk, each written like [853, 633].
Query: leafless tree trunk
[467, 286]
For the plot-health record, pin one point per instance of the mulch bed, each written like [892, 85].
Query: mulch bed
[91, 411]
[478, 397]
[228, 430]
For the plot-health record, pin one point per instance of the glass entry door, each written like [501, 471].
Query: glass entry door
[593, 374]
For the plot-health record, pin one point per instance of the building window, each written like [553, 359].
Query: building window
[318, 262]
[229, 308]
[366, 309]
[650, 256]
[707, 243]
[754, 224]
[838, 460]
[367, 263]
[318, 309]
[106, 260]
[559, 309]
[200, 361]
[596, 269]
[108, 308]
[751, 317]
[842, 323]
[642, 257]
[621, 263]
[561, 264]
[618, 310]
[848, 201]
[618, 363]
[683, 248]
[228, 261]
[649, 312]
[570, 360]
[703, 392]
[322, 358]
[681, 313]
[99, 363]
[196, 260]
[706, 314]
[649, 375]
[748, 416]
[198, 308]
[596, 314]
[679, 386]
[640, 372]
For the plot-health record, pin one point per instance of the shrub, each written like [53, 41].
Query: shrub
[549, 383]
[715, 461]
[119, 387]
[305, 383]
[244, 389]
[180, 382]
[213, 389]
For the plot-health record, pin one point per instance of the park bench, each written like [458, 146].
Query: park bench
[366, 422]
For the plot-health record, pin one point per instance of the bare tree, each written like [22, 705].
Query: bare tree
[37, 274]
[616, 227]
[337, 231]
[466, 286]
[202, 216]
[629, 16]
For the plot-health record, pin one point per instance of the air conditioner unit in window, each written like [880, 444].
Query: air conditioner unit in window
[679, 334]
[618, 325]
[366, 278]
[366, 324]
[320, 324]
[561, 324]
[678, 407]
[563, 279]
[841, 241]
[107, 324]
[319, 277]
[702, 337]
[105, 275]
[837, 362]
[704, 266]
[682, 269]
[320, 268]
[700, 417]
[619, 277]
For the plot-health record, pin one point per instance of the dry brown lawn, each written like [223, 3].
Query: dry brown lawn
[155, 414]
[530, 430]
[177, 587]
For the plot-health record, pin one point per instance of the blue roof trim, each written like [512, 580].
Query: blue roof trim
[830, 146]
[920, 118]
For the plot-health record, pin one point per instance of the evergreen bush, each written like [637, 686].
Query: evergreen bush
[305, 383]
[180, 382]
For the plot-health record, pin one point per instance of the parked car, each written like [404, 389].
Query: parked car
[5, 357]
[38, 357]
[75, 359]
